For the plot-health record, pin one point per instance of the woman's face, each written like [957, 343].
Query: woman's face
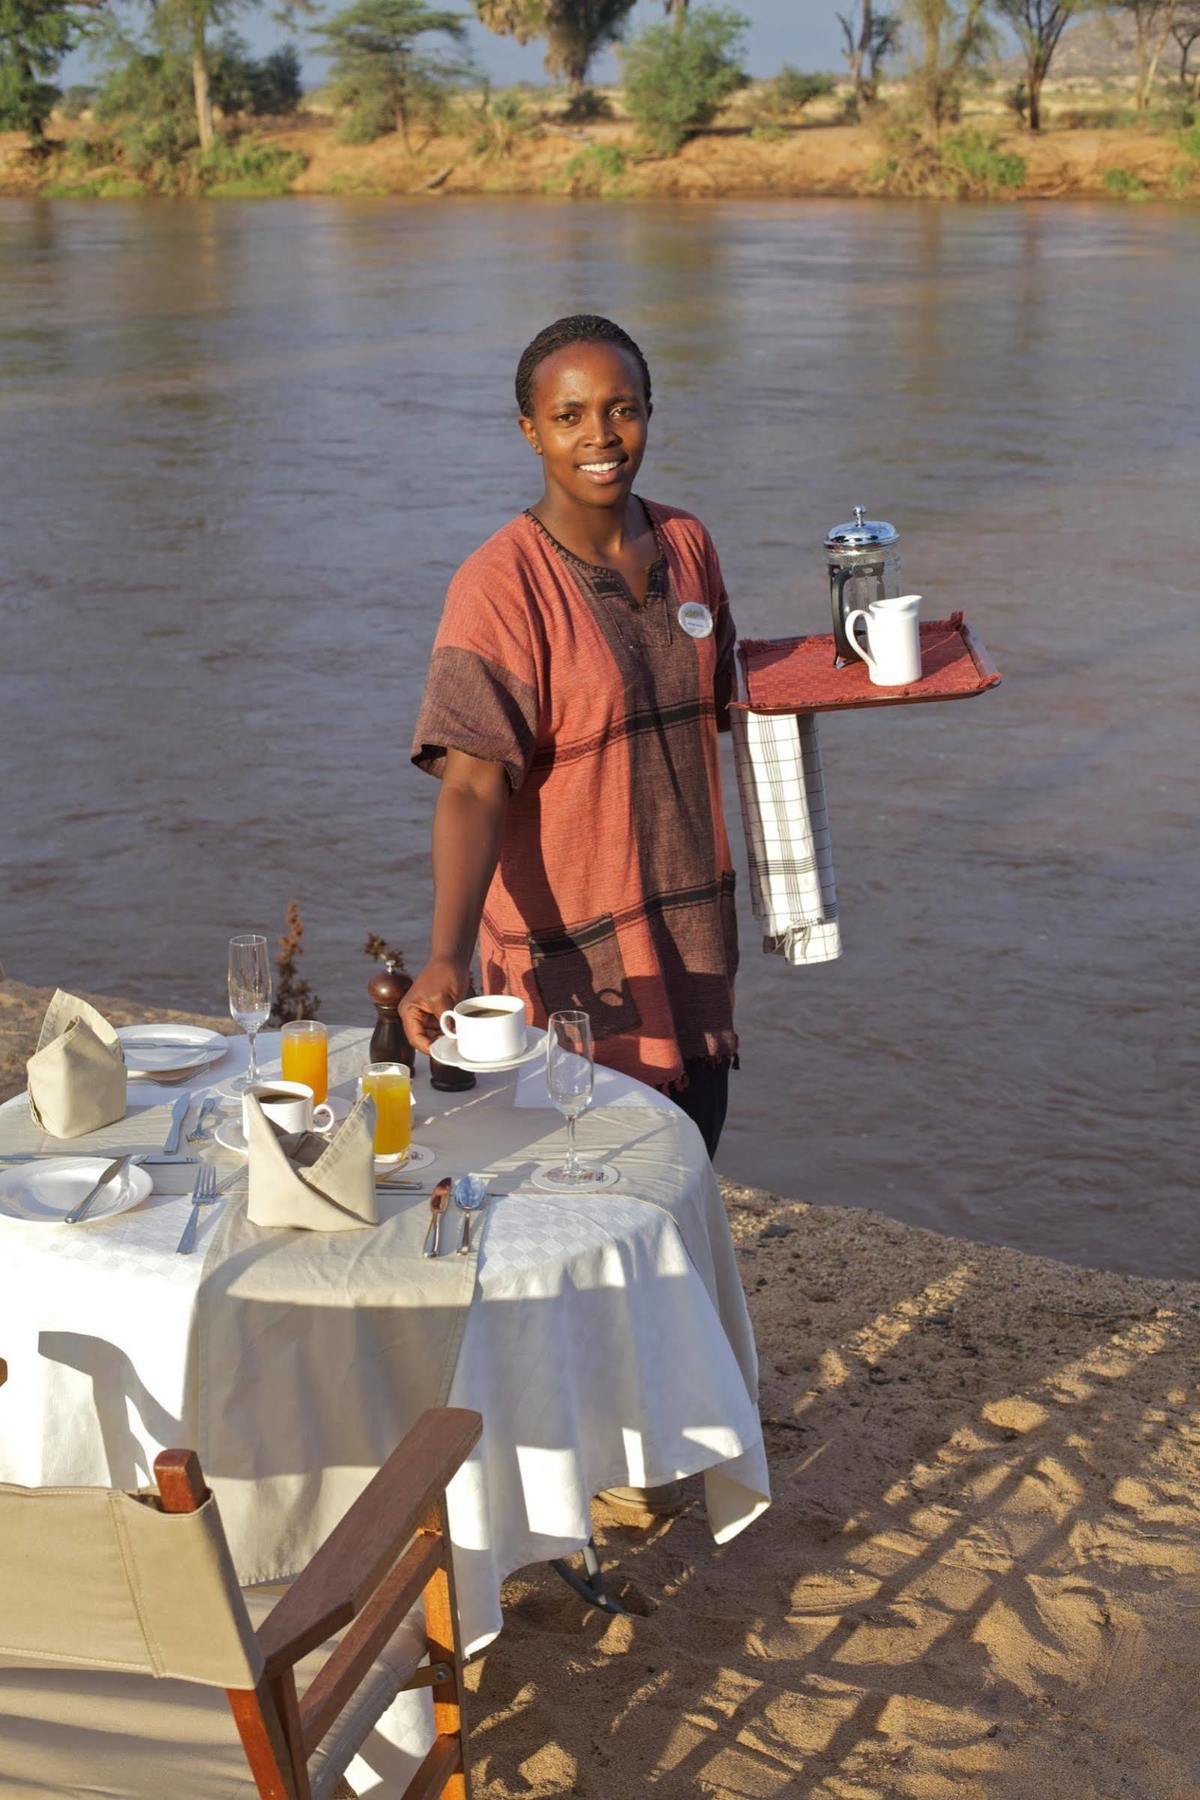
[589, 422]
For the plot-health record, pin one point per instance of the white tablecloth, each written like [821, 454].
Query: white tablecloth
[593, 1350]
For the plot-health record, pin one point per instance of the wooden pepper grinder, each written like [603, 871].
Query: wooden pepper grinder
[389, 1040]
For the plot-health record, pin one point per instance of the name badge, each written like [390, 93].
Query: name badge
[696, 619]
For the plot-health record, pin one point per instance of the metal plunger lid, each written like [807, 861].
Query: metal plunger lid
[861, 534]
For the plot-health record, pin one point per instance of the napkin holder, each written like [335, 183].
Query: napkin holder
[301, 1182]
[76, 1076]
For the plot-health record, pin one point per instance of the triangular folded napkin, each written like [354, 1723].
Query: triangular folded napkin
[336, 1192]
[77, 1073]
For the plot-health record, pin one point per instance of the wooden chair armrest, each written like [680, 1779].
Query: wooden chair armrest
[362, 1547]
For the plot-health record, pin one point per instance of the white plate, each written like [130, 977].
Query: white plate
[44, 1192]
[446, 1050]
[151, 1049]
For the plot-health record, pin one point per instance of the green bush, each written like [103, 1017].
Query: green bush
[675, 80]
[247, 167]
[768, 133]
[977, 168]
[599, 169]
[1123, 184]
[586, 106]
[370, 118]
[76, 101]
[499, 122]
[792, 89]
[964, 165]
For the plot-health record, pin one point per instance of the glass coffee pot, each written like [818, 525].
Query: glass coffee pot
[864, 565]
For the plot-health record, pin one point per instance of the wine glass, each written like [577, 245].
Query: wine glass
[249, 994]
[570, 1073]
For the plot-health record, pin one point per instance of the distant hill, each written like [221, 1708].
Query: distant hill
[1100, 49]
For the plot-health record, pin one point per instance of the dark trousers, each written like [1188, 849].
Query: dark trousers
[705, 1100]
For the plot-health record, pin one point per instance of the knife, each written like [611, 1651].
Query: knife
[439, 1200]
[28, 1156]
[77, 1212]
[178, 1115]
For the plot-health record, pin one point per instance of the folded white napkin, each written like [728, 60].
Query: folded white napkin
[77, 1073]
[336, 1192]
[781, 787]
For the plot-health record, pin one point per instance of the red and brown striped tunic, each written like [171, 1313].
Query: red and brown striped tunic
[614, 890]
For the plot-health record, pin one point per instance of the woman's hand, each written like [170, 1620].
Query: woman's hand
[439, 987]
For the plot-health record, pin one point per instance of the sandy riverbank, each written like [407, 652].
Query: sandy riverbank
[603, 159]
[979, 1578]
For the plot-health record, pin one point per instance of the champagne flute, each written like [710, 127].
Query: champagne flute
[249, 994]
[570, 1074]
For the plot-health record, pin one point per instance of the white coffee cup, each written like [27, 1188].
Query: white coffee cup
[488, 1028]
[893, 649]
[290, 1106]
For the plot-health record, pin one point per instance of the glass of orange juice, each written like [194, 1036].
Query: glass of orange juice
[305, 1056]
[389, 1085]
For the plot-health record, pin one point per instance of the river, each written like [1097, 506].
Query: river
[243, 446]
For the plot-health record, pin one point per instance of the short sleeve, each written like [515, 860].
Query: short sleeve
[725, 633]
[481, 693]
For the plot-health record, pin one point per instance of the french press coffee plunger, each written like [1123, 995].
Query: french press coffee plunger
[864, 565]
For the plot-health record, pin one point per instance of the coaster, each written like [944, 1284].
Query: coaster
[417, 1156]
[606, 1177]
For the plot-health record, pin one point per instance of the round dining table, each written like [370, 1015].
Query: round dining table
[605, 1342]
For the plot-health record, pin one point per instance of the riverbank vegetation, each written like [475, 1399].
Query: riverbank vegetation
[927, 103]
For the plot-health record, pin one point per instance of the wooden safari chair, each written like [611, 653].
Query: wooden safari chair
[133, 1666]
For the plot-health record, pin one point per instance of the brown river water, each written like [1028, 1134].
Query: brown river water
[242, 447]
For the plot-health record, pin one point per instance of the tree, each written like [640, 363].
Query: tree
[1039, 24]
[870, 36]
[35, 35]
[950, 35]
[1185, 31]
[379, 72]
[675, 79]
[1153, 22]
[574, 30]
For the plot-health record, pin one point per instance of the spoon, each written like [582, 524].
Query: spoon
[439, 1200]
[470, 1196]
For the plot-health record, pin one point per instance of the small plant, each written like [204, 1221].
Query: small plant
[793, 89]
[294, 998]
[977, 168]
[248, 167]
[501, 120]
[1123, 184]
[676, 78]
[599, 169]
[383, 952]
[586, 107]
[768, 133]
[76, 101]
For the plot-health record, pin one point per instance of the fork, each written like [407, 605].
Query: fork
[200, 1130]
[203, 1194]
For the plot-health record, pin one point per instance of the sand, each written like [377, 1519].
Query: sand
[979, 1577]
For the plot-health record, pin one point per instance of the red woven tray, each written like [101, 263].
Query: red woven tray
[790, 675]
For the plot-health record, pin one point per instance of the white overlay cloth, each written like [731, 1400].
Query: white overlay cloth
[597, 1348]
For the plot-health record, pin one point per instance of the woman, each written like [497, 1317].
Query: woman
[580, 675]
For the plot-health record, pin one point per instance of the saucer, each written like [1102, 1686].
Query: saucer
[606, 1177]
[447, 1051]
[417, 1156]
[230, 1136]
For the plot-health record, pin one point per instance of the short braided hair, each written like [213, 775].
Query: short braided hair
[578, 328]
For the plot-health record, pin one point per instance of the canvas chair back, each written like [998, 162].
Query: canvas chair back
[97, 1579]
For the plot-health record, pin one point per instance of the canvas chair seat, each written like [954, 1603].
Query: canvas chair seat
[81, 1734]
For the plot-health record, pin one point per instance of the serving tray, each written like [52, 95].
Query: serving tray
[797, 674]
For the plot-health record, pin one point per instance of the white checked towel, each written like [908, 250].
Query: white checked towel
[782, 791]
